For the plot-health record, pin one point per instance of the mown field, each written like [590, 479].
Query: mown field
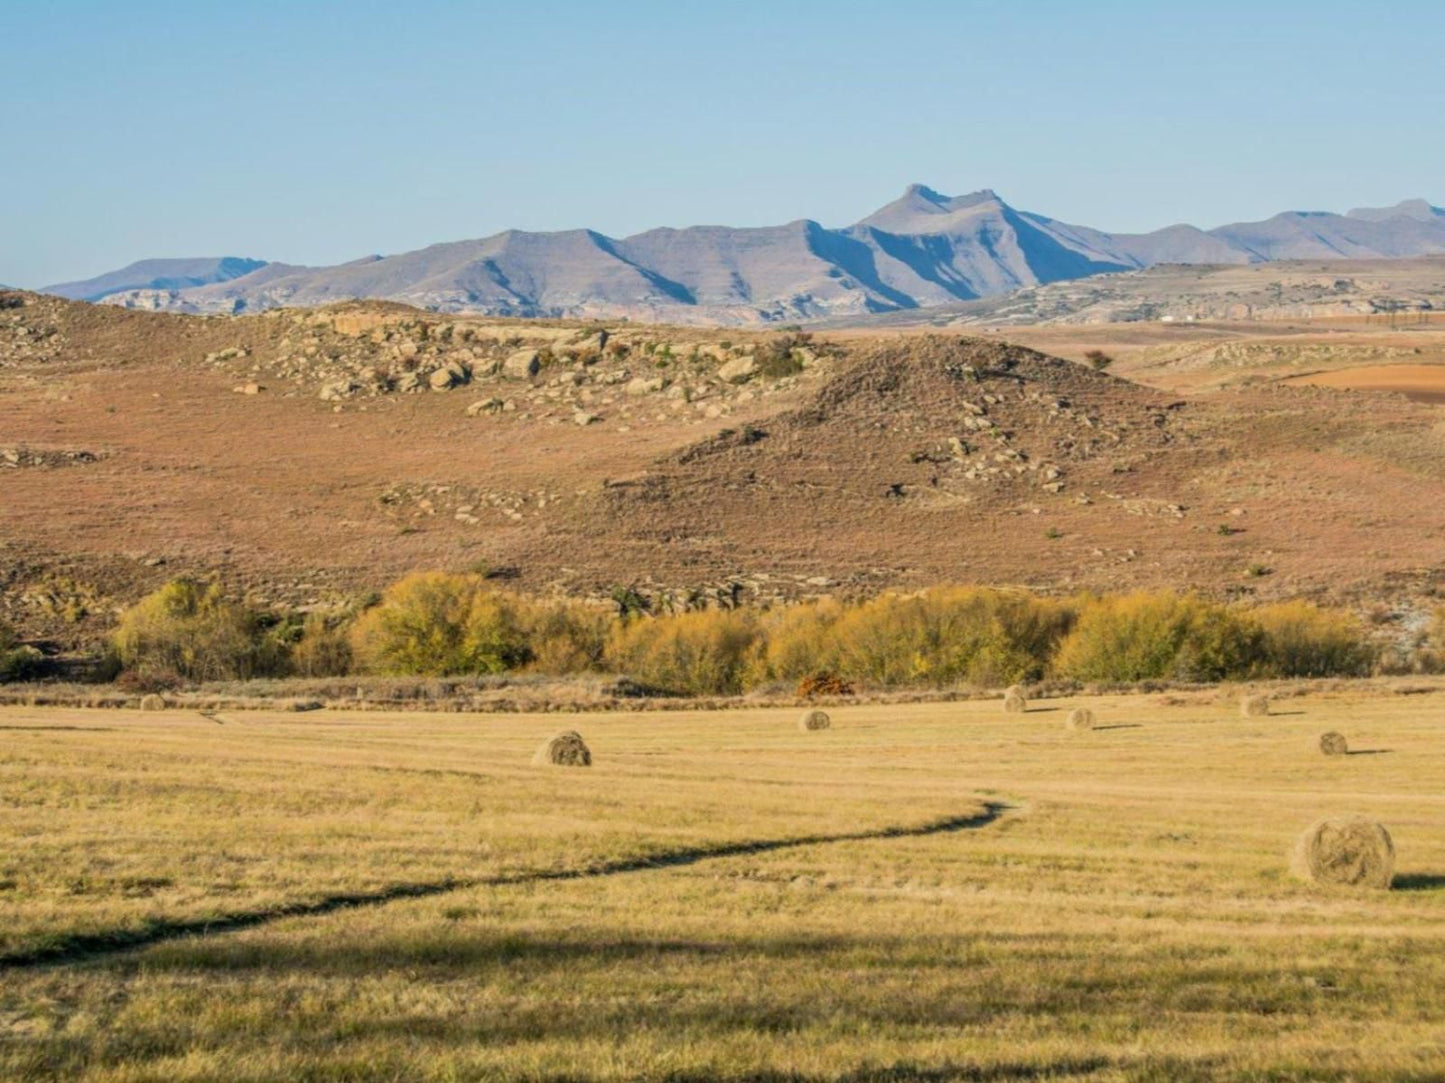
[923, 892]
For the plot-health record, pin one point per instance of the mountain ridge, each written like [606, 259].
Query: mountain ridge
[922, 250]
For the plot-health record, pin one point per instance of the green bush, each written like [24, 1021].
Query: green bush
[17, 661]
[701, 653]
[438, 624]
[191, 630]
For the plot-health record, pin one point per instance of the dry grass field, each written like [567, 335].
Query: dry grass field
[921, 892]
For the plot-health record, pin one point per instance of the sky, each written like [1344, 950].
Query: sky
[313, 132]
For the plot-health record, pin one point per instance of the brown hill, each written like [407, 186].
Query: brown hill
[306, 457]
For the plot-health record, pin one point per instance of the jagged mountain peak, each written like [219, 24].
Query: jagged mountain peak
[925, 248]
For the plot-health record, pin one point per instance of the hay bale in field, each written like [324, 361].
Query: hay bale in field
[1350, 851]
[1254, 706]
[1334, 744]
[814, 720]
[152, 702]
[1014, 700]
[566, 749]
[1080, 718]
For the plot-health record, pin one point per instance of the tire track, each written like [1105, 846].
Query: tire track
[85, 946]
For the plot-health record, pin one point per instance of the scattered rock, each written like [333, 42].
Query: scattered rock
[739, 370]
[523, 364]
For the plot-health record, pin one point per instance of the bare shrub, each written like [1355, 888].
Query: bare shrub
[823, 684]
[323, 650]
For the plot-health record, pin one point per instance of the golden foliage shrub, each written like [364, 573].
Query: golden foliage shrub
[948, 635]
[191, 630]
[440, 624]
[708, 652]
[567, 637]
[1149, 636]
[1303, 640]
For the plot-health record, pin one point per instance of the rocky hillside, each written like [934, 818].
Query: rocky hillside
[920, 251]
[1286, 290]
[309, 457]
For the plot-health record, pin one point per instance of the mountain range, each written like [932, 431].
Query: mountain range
[921, 250]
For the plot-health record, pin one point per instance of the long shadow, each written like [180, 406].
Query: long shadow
[1120, 726]
[82, 946]
[1176, 1068]
[67, 729]
[1418, 881]
[1369, 752]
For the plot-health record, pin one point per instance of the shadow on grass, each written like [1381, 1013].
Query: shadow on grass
[1120, 726]
[1176, 1070]
[68, 729]
[1063, 1068]
[82, 946]
[1418, 881]
[1369, 752]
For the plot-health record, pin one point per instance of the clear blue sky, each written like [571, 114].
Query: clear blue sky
[314, 132]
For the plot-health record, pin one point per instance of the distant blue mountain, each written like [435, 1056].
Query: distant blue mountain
[923, 249]
[158, 274]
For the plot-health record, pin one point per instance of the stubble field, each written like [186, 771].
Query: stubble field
[922, 892]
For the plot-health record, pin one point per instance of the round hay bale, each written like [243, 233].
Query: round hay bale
[1350, 850]
[1080, 718]
[152, 702]
[1334, 744]
[1254, 706]
[1014, 700]
[566, 749]
[814, 720]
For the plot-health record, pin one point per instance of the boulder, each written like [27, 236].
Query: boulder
[739, 370]
[338, 389]
[522, 365]
[450, 375]
[642, 385]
